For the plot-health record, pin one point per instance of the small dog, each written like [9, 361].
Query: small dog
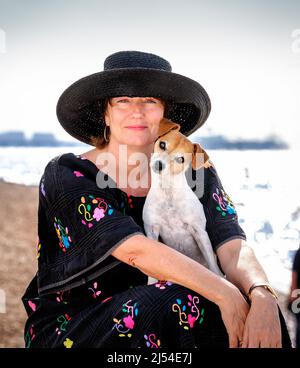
[172, 210]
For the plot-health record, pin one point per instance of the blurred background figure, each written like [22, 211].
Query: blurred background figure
[294, 298]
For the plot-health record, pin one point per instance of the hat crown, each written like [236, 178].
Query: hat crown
[136, 59]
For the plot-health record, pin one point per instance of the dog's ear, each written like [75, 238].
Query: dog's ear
[200, 157]
[165, 126]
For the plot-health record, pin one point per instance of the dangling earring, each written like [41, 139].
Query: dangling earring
[105, 134]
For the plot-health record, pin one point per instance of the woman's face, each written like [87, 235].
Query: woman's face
[134, 120]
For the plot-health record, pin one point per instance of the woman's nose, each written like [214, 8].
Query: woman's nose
[137, 108]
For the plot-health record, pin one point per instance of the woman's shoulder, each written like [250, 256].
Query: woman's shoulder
[69, 175]
[69, 162]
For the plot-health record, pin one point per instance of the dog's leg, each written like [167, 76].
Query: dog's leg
[152, 232]
[202, 239]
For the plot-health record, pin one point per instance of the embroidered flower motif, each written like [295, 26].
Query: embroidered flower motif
[63, 235]
[93, 209]
[127, 324]
[162, 284]
[68, 343]
[225, 205]
[98, 213]
[187, 318]
[150, 341]
[191, 320]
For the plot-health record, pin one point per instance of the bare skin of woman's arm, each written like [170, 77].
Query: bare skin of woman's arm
[159, 261]
[241, 267]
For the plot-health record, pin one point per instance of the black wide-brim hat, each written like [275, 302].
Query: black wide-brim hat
[133, 74]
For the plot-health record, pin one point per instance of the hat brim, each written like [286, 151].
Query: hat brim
[79, 107]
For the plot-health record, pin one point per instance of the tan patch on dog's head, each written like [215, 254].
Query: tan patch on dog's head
[200, 157]
[166, 126]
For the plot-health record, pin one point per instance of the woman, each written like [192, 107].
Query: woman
[94, 258]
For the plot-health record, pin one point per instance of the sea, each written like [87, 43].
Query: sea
[264, 186]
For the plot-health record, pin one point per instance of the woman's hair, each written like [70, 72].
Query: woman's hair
[99, 142]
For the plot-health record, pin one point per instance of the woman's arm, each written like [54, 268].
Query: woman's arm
[241, 267]
[157, 260]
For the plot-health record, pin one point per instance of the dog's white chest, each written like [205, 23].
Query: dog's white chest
[176, 216]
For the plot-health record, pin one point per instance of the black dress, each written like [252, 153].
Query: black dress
[82, 296]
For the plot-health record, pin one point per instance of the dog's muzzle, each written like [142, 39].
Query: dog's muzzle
[158, 166]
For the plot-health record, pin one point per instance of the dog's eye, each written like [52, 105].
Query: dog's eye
[162, 145]
[180, 159]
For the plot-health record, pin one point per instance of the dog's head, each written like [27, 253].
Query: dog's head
[173, 151]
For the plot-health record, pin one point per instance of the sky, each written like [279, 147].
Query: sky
[245, 54]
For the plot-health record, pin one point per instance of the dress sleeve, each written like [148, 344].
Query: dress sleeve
[79, 227]
[222, 222]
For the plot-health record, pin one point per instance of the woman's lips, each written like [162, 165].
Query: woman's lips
[137, 127]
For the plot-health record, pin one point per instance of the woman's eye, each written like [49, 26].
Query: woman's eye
[162, 145]
[123, 100]
[151, 101]
[179, 160]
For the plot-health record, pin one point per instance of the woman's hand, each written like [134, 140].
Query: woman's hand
[262, 327]
[234, 310]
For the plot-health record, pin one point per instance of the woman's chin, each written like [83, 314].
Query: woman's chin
[140, 142]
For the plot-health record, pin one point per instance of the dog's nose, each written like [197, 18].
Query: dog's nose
[158, 166]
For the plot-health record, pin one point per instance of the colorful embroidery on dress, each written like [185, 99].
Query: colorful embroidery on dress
[152, 341]
[94, 290]
[81, 157]
[32, 305]
[187, 318]
[93, 209]
[63, 296]
[38, 249]
[106, 300]
[68, 343]
[162, 284]
[63, 321]
[63, 235]
[225, 204]
[130, 203]
[125, 325]
[126, 202]
[30, 335]
[43, 187]
[77, 174]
